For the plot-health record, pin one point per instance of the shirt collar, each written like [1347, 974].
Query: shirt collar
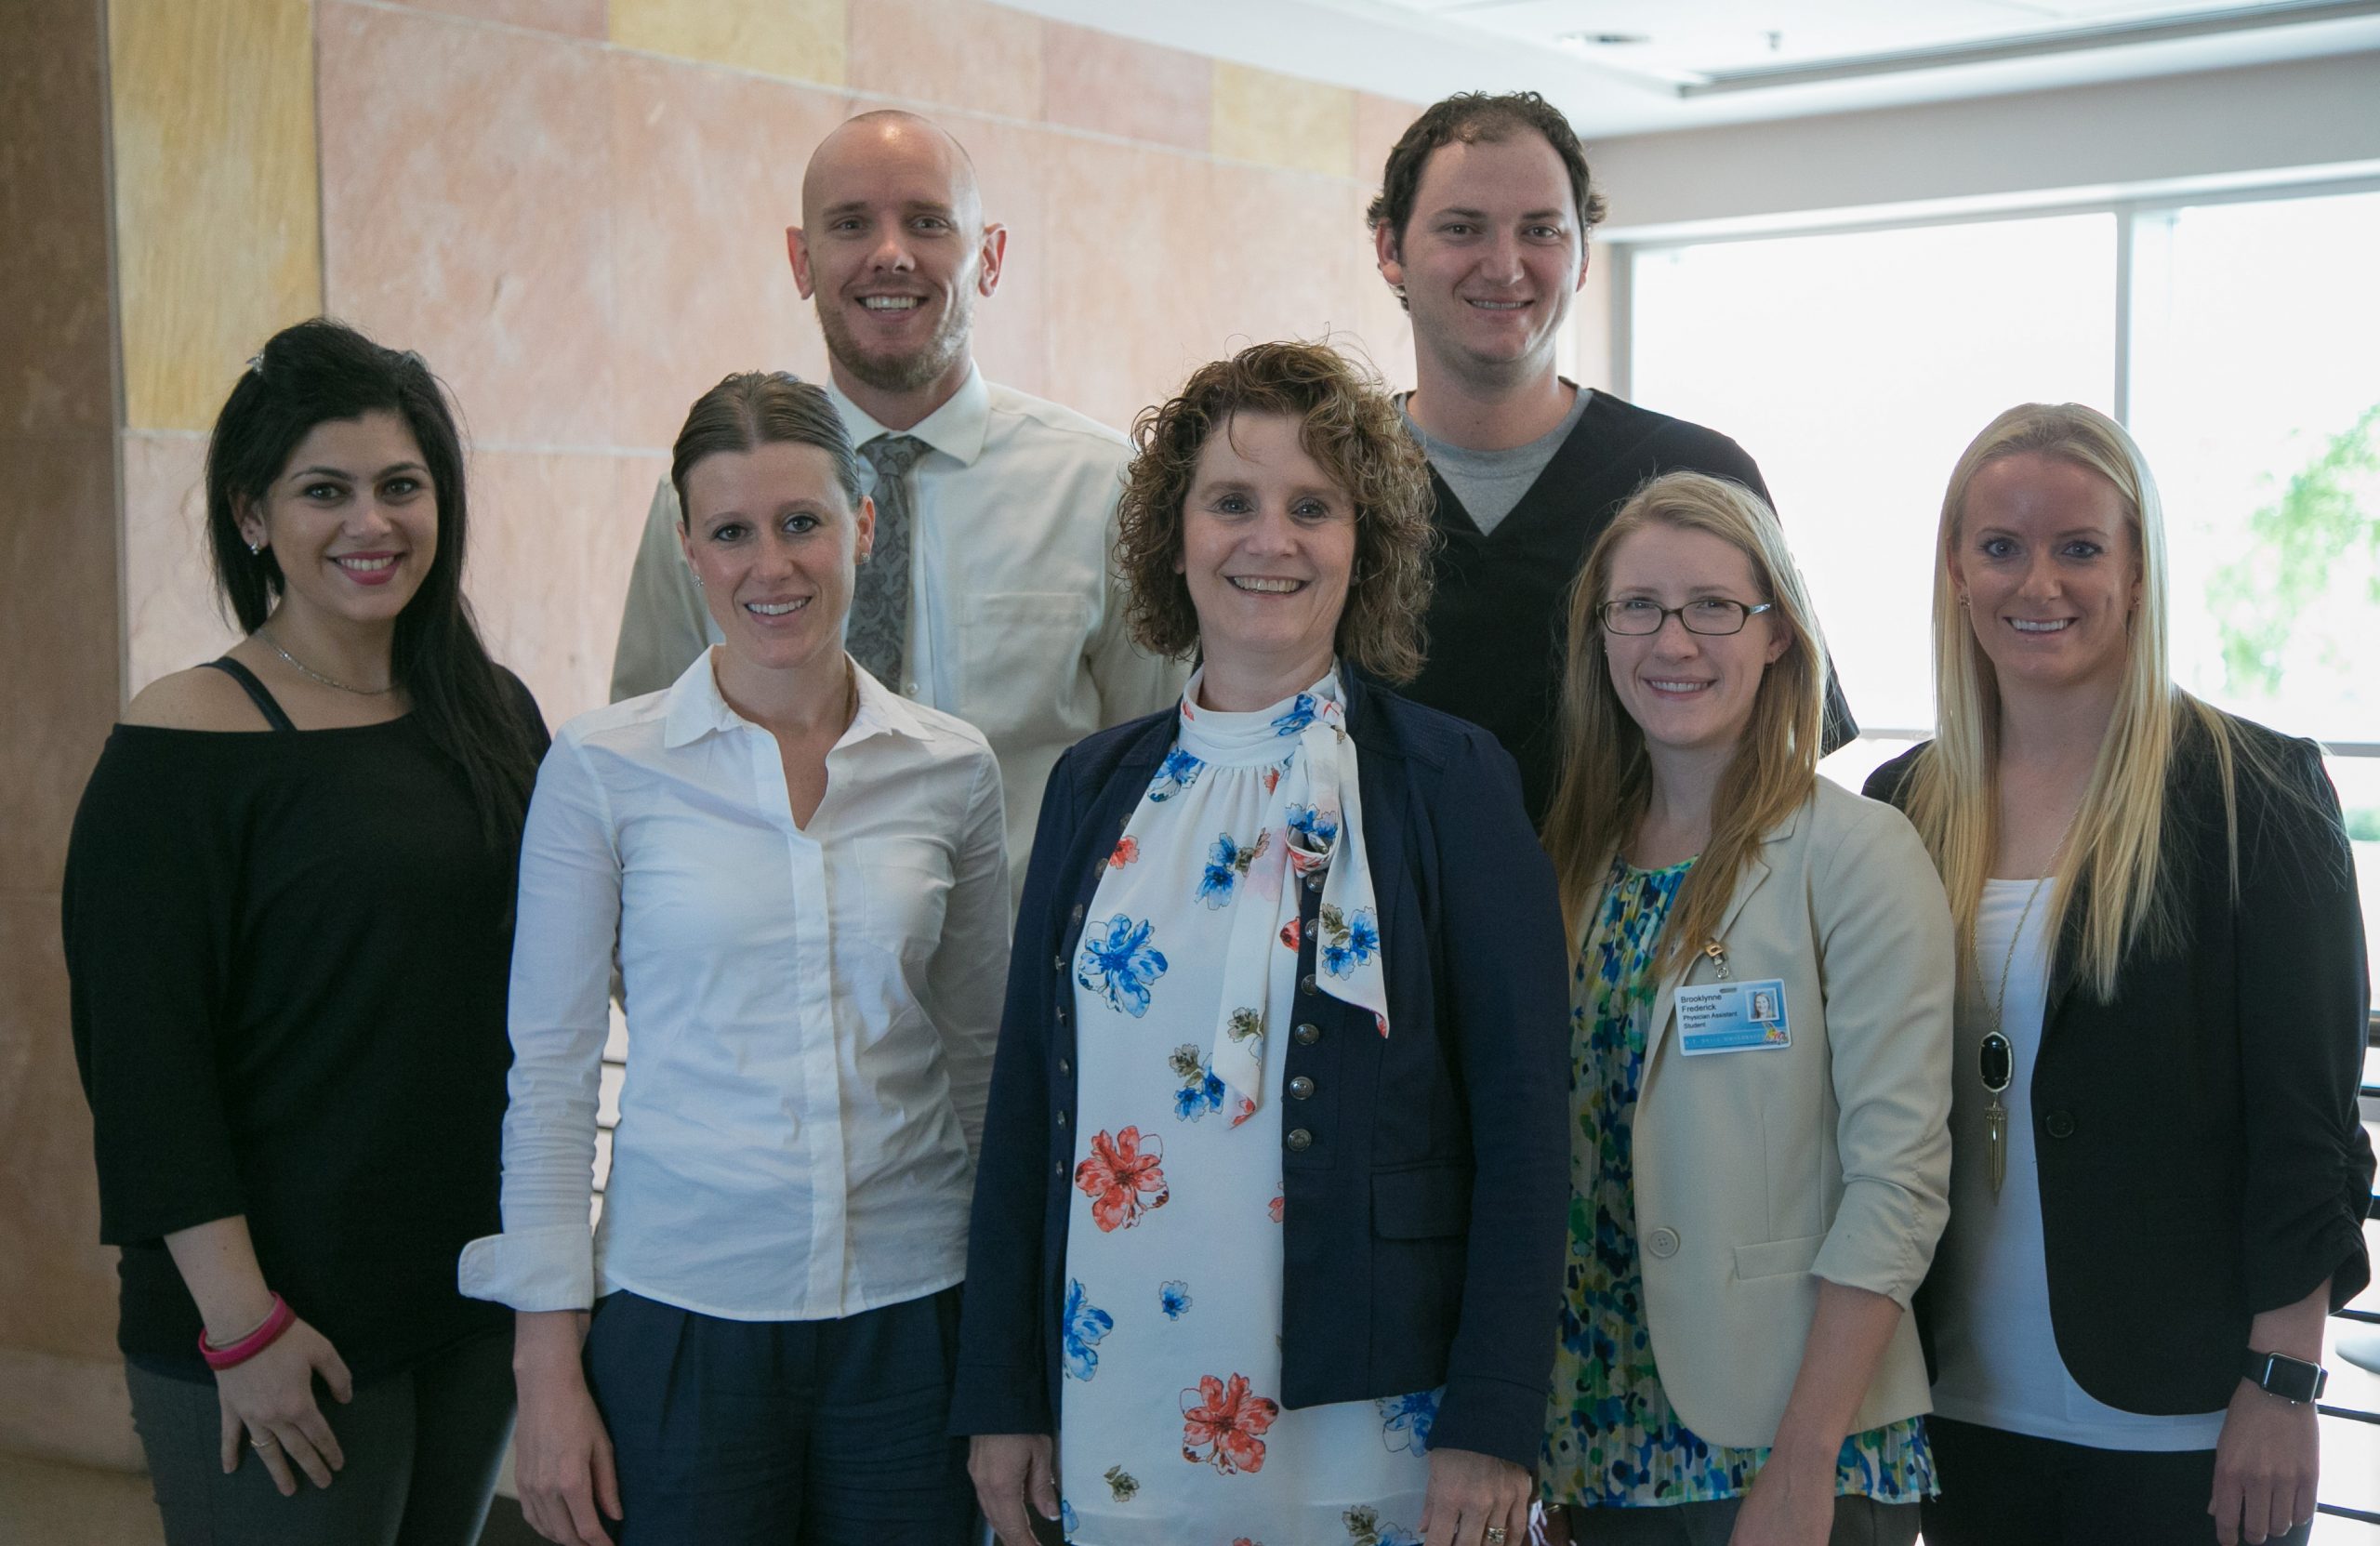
[696, 708]
[957, 428]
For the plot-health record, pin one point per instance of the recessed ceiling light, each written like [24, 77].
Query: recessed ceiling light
[1587, 40]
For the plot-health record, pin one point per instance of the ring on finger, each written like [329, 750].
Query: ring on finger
[1494, 1536]
[267, 1441]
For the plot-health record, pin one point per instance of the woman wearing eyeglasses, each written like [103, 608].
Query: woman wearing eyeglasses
[2161, 1179]
[1760, 1036]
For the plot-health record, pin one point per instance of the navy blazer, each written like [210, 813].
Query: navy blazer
[1426, 1176]
[2200, 1152]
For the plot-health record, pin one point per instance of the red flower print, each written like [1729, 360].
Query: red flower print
[1127, 849]
[1289, 933]
[1243, 1110]
[1273, 1207]
[1224, 1421]
[1122, 1182]
[1272, 777]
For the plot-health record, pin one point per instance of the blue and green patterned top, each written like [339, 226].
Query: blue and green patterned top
[1612, 1439]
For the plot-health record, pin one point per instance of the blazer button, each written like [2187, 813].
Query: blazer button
[1065, 1068]
[1307, 1033]
[1061, 1012]
[1662, 1243]
[1059, 1168]
[1062, 1118]
[1060, 963]
[1301, 1088]
[1299, 1140]
[2060, 1124]
[1305, 984]
[1077, 912]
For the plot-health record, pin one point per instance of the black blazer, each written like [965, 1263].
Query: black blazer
[2201, 1158]
[1426, 1179]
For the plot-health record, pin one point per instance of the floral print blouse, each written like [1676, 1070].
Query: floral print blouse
[1612, 1439]
[1171, 1432]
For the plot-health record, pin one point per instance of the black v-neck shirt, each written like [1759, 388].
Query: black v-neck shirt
[1498, 619]
[288, 953]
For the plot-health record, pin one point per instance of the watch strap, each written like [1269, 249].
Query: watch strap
[2293, 1379]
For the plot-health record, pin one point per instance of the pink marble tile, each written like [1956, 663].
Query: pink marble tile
[57, 630]
[1285, 256]
[1132, 263]
[708, 175]
[552, 540]
[1379, 121]
[466, 175]
[1094, 80]
[55, 340]
[573, 17]
[955, 53]
[1012, 325]
[171, 618]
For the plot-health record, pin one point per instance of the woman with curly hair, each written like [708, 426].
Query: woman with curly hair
[1267, 1238]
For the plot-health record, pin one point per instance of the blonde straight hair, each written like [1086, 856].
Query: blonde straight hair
[1606, 779]
[2111, 860]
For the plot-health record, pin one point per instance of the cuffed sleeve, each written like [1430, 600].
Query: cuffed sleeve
[2304, 992]
[1886, 961]
[1500, 926]
[973, 954]
[569, 914]
[664, 624]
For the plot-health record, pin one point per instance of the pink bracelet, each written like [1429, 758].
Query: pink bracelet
[254, 1343]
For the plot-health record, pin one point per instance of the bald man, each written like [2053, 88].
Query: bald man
[989, 594]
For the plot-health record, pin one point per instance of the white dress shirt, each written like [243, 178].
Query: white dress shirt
[1015, 623]
[811, 1012]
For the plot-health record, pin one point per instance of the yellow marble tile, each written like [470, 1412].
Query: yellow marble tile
[1282, 121]
[802, 40]
[217, 222]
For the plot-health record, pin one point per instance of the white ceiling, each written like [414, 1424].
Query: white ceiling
[1688, 63]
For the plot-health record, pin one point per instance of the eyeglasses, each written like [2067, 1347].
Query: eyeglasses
[1713, 616]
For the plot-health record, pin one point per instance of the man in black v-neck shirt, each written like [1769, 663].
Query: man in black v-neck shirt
[1481, 229]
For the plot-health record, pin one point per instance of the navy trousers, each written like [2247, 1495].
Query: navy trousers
[830, 1433]
[2011, 1489]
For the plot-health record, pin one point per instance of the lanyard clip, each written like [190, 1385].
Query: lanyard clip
[1718, 954]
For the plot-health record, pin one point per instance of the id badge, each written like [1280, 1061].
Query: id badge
[1732, 1017]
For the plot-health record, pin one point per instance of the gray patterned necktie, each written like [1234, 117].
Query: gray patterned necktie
[878, 635]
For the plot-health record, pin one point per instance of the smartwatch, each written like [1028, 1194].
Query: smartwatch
[2294, 1379]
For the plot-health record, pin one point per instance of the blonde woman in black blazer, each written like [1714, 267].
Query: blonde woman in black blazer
[2162, 1011]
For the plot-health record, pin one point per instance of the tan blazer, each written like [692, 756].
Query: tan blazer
[1759, 1172]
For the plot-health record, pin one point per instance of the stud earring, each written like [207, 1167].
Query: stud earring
[255, 547]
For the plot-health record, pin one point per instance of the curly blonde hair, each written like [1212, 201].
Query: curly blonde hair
[1350, 427]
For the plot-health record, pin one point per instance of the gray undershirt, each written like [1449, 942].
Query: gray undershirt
[1490, 483]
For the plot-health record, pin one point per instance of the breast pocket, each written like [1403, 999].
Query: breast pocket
[904, 887]
[1021, 652]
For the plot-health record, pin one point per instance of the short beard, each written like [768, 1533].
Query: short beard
[901, 372]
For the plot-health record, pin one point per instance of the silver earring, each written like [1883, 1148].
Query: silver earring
[255, 547]
[698, 582]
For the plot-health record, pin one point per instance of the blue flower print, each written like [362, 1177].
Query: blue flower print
[1173, 1298]
[1121, 964]
[1300, 715]
[1180, 770]
[1348, 941]
[1405, 1421]
[1085, 1327]
[1201, 1095]
[1364, 1528]
[1319, 828]
[1069, 1522]
[1226, 862]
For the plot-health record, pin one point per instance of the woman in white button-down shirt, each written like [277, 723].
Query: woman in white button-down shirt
[806, 880]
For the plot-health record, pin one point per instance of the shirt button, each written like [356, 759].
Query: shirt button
[2060, 1124]
[1301, 1088]
[1299, 1140]
[1307, 1033]
[913, 689]
[1305, 984]
[1662, 1243]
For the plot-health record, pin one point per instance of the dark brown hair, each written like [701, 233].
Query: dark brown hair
[1349, 426]
[762, 407]
[1470, 118]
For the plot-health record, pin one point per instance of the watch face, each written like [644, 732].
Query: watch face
[2291, 1379]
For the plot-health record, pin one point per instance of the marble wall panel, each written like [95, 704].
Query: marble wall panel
[1131, 275]
[171, 617]
[1285, 259]
[58, 632]
[1379, 122]
[55, 344]
[552, 539]
[800, 40]
[573, 18]
[962, 54]
[1118, 86]
[55, 1276]
[216, 216]
[1011, 324]
[467, 197]
[706, 170]
[1282, 121]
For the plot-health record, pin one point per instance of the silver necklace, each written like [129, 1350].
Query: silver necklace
[309, 671]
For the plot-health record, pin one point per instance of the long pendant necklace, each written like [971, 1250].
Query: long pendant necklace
[1998, 1054]
[300, 667]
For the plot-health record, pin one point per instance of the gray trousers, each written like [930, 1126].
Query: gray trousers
[422, 1451]
[1857, 1522]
